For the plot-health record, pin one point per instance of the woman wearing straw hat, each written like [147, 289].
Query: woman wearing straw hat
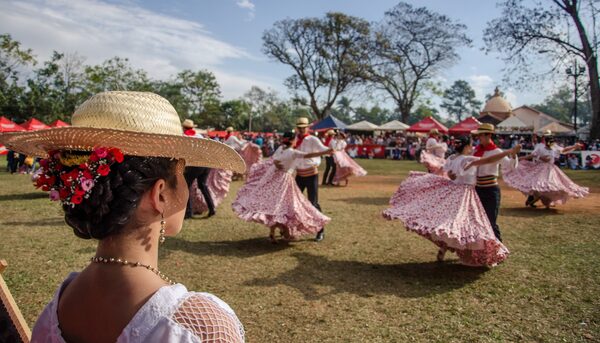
[330, 167]
[307, 172]
[435, 151]
[118, 173]
[540, 179]
[487, 175]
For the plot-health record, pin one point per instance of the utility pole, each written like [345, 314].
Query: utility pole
[575, 72]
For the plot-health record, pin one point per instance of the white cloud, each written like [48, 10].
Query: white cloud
[482, 85]
[158, 43]
[248, 5]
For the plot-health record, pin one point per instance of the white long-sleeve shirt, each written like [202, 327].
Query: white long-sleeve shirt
[492, 168]
[311, 144]
[235, 142]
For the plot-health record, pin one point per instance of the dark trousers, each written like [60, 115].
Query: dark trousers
[311, 184]
[490, 199]
[201, 175]
[329, 167]
[11, 162]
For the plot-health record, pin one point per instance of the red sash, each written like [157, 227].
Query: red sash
[190, 132]
[480, 149]
[328, 140]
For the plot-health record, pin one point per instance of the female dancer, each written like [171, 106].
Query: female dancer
[345, 165]
[539, 178]
[433, 155]
[112, 187]
[271, 197]
[448, 212]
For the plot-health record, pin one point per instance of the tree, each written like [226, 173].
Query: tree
[423, 111]
[560, 105]
[327, 55]
[344, 110]
[113, 75]
[375, 114]
[411, 46]
[200, 89]
[460, 100]
[12, 57]
[527, 28]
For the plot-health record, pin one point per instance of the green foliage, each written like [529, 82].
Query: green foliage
[459, 100]
[560, 106]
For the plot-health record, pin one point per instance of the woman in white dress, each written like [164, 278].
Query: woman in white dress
[111, 189]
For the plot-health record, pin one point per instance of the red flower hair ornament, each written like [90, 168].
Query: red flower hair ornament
[71, 176]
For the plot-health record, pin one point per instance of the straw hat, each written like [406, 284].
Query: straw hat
[138, 123]
[547, 133]
[330, 133]
[434, 132]
[302, 122]
[188, 124]
[229, 129]
[484, 128]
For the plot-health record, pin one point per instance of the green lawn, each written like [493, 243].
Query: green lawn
[368, 281]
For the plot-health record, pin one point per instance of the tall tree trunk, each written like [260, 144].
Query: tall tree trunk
[592, 64]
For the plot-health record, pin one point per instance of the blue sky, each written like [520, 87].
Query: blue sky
[223, 36]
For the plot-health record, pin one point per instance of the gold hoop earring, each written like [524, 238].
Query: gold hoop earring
[161, 237]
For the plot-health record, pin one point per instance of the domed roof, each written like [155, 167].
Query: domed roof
[497, 104]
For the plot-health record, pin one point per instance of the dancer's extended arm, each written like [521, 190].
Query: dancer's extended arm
[495, 158]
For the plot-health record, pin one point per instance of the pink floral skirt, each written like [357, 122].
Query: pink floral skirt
[251, 154]
[346, 167]
[218, 186]
[544, 180]
[433, 163]
[271, 197]
[448, 214]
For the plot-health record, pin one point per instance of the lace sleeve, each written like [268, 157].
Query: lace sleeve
[210, 319]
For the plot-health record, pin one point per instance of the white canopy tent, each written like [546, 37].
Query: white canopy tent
[513, 123]
[394, 125]
[556, 128]
[363, 126]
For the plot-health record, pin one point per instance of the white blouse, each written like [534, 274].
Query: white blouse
[542, 151]
[172, 314]
[309, 145]
[289, 158]
[457, 164]
[438, 149]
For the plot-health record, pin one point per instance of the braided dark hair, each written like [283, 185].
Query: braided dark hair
[115, 197]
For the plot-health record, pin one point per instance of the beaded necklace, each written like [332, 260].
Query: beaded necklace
[97, 259]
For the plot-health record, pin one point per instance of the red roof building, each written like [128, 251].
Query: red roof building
[7, 125]
[465, 127]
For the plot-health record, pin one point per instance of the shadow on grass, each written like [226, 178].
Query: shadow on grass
[379, 201]
[23, 196]
[39, 222]
[410, 280]
[244, 248]
[528, 212]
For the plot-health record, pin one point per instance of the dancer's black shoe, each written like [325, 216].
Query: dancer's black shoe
[320, 235]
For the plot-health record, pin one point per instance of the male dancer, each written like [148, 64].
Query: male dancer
[307, 172]
[329, 161]
[200, 174]
[487, 175]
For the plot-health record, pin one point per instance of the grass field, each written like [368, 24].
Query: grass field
[368, 281]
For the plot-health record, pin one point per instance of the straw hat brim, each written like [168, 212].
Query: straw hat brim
[195, 151]
[302, 125]
[477, 132]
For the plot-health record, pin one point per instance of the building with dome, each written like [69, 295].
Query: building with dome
[496, 110]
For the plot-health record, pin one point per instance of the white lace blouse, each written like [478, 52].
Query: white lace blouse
[172, 314]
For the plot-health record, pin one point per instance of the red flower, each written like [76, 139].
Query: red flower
[63, 193]
[44, 163]
[79, 191]
[65, 179]
[87, 174]
[76, 199]
[117, 154]
[94, 157]
[103, 169]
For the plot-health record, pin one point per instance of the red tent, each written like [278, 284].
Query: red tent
[465, 127]
[427, 124]
[7, 125]
[59, 123]
[34, 125]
